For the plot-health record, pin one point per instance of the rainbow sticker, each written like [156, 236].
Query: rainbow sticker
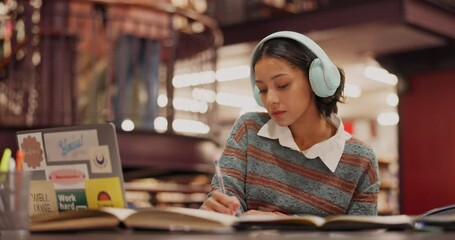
[104, 192]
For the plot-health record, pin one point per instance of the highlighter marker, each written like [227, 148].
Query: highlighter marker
[19, 161]
[4, 165]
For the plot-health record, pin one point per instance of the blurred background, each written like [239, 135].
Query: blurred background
[173, 75]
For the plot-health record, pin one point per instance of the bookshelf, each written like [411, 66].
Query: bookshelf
[389, 188]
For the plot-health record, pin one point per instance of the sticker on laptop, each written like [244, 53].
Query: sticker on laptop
[71, 145]
[32, 146]
[100, 160]
[67, 176]
[104, 192]
[42, 198]
[71, 200]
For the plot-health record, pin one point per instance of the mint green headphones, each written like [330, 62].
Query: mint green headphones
[323, 74]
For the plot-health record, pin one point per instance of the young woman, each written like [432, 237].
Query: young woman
[296, 158]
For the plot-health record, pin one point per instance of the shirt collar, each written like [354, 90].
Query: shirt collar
[329, 150]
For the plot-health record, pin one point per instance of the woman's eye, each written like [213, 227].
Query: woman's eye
[262, 91]
[282, 86]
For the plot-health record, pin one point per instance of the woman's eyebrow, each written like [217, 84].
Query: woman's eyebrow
[273, 78]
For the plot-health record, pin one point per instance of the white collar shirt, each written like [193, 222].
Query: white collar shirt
[329, 150]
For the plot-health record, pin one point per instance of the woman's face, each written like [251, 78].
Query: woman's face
[284, 89]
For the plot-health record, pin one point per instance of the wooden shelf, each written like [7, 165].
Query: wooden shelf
[166, 187]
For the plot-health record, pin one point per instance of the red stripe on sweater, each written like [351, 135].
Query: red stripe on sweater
[247, 125]
[357, 161]
[234, 173]
[229, 151]
[369, 197]
[313, 200]
[315, 175]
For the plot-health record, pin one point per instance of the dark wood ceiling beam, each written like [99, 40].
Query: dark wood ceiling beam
[430, 18]
[366, 12]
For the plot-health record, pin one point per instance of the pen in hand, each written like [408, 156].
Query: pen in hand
[219, 177]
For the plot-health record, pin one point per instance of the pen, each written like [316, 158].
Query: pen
[4, 165]
[219, 177]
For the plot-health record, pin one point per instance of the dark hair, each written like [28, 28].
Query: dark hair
[300, 56]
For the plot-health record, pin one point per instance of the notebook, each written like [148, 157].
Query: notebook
[76, 167]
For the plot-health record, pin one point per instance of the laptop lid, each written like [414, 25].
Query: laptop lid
[76, 167]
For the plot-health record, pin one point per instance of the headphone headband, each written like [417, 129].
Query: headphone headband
[324, 75]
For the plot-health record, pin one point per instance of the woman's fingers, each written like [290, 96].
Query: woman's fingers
[255, 212]
[222, 203]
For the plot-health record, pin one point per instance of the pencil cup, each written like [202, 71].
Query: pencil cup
[14, 195]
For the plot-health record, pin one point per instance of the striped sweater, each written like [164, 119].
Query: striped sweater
[266, 176]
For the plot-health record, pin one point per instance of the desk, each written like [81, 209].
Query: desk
[259, 235]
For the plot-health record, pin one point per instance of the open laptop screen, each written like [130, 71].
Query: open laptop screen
[75, 167]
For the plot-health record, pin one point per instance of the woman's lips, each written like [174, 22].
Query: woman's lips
[277, 113]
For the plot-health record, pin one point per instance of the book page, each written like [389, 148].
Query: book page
[392, 219]
[175, 219]
[295, 222]
[351, 222]
[120, 213]
[73, 220]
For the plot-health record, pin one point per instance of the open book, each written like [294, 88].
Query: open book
[170, 218]
[186, 219]
[330, 223]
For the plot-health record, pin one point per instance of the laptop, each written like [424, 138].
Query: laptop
[73, 168]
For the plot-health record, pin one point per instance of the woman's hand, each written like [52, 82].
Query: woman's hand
[255, 212]
[222, 203]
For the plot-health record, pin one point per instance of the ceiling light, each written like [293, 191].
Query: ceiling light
[127, 125]
[381, 75]
[190, 126]
[388, 119]
[351, 90]
[162, 100]
[193, 79]
[233, 73]
[197, 27]
[160, 124]
[392, 99]
[190, 105]
[235, 100]
[204, 95]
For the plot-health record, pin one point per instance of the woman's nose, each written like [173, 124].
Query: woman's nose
[272, 97]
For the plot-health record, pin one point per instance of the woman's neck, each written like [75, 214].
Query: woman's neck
[311, 129]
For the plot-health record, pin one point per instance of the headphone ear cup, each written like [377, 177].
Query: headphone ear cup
[257, 97]
[316, 77]
[324, 82]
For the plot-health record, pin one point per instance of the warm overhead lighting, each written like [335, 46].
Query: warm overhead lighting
[233, 73]
[162, 100]
[193, 79]
[197, 27]
[351, 90]
[388, 119]
[180, 3]
[392, 99]
[381, 75]
[190, 105]
[235, 100]
[127, 125]
[204, 95]
[160, 124]
[190, 126]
